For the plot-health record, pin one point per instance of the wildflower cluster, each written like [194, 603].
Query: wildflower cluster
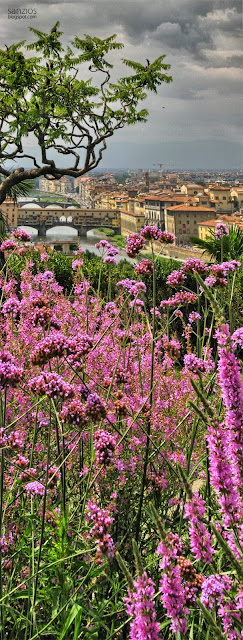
[179, 298]
[104, 446]
[108, 251]
[74, 413]
[51, 385]
[108, 408]
[10, 372]
[22, 235]
[221, 230]
[101, 520]
[140, 605]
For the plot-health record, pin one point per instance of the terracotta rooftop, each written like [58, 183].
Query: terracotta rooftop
[168, 197]
[216, 187]
[226, 219]
[192, 207]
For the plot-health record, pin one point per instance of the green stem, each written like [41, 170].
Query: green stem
[59, 458]
[146, 457]
[99, 281]
[43, 520]
[199, 346]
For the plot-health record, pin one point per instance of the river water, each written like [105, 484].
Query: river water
[65, 233]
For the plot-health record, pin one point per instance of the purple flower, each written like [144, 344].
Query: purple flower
[172, 347]
[135, 243]
[221, 474]
[104, 446]
[232, 393]
[166, 237]
[77, 348]
[178, 313]
[3, 545]
[144, 266]
[237, 338]
[219, 272]
[193, 317]
[10, 371]
[172, 592]
[194, 265]
[49, 347]
[179, 298]
[136, 304]
[126, 284]
[51, 385]
[200, 541]
[74, 413]
[95, 407]
[197, 365]
[211, 281]
[155, 311]
[22, 235]
[107, 250]
[213, 590]
[221, 230]
[137, 287]
[150, 232]
[176, 279]
[34, 488]
[132, 286]
[77, 263]
[110, 260]
[173, 598]
[8, 245]
[102, 521]
[141, 606]
[12, 306]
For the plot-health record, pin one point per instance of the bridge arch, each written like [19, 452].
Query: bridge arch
[61, 229]
[28, 227]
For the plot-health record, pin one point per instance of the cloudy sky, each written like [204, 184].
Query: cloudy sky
[200, 124]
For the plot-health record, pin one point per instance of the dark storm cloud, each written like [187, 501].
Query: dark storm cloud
[187, 26]
[184, 25]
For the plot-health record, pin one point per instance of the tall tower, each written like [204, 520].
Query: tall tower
[147, 180]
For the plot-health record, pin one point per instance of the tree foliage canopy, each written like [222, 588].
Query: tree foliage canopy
[69, 115]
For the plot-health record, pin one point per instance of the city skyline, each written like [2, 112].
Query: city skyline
[193, 122]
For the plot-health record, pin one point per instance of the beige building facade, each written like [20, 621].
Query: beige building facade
[131, 222]
[204, 227]
[63, 185]
[221, 199]
[191, 189]
[9, 210]
[182, 220]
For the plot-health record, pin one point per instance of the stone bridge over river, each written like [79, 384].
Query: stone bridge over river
[82, 220]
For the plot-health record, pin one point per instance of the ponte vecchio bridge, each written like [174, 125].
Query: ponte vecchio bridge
[82, 220]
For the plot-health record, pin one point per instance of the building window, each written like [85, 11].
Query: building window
[224, 198]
